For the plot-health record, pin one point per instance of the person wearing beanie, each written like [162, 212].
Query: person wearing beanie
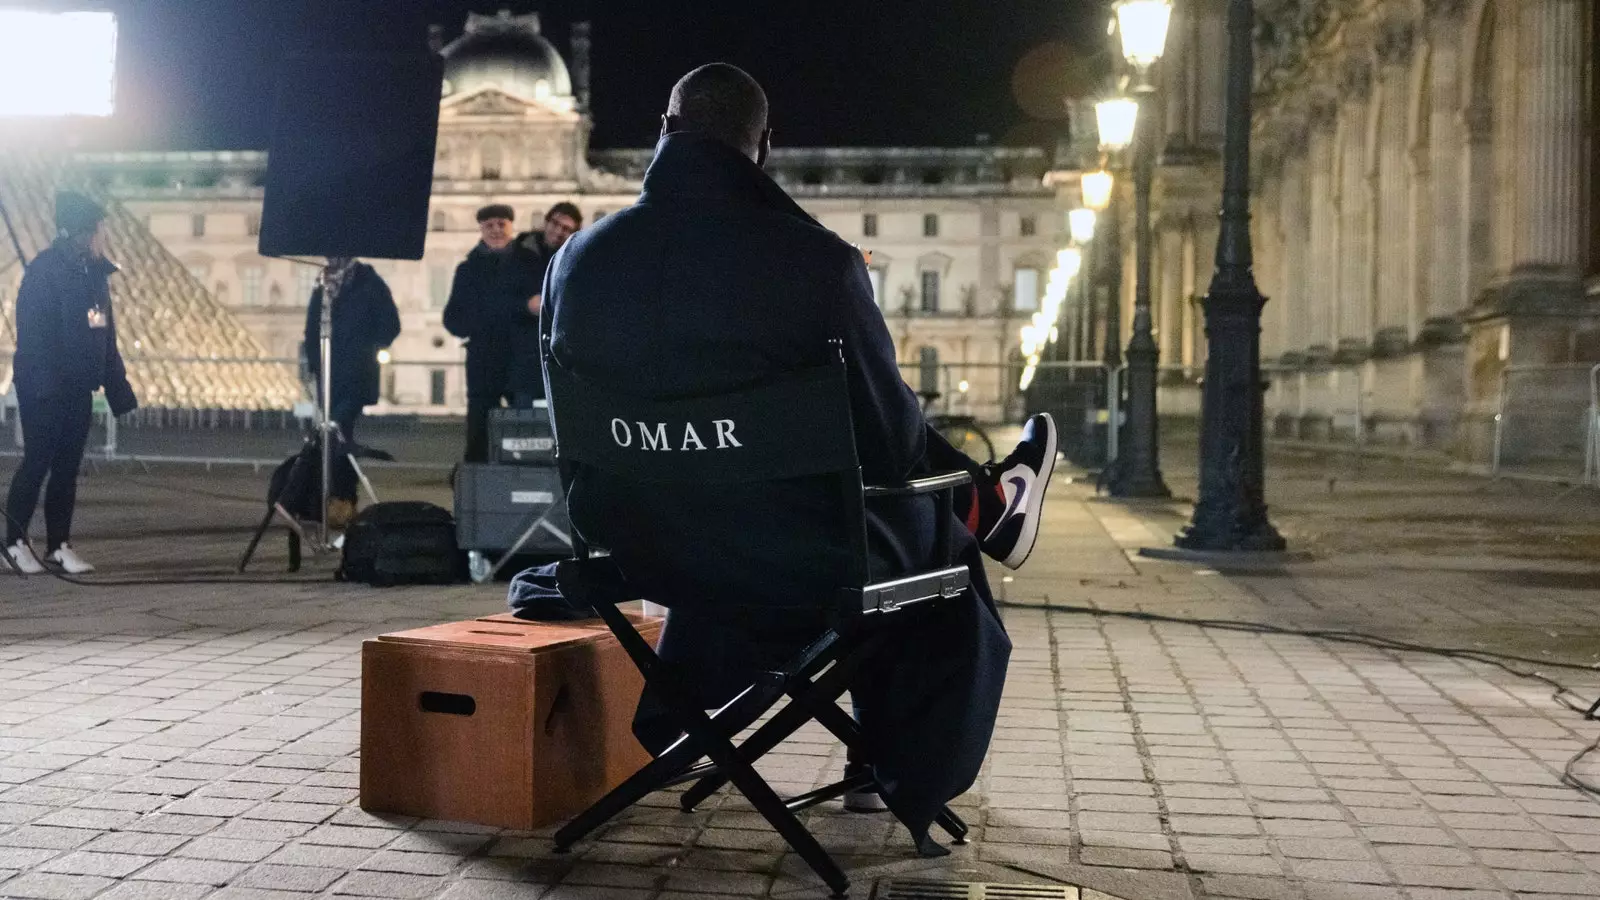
[493, 306]
[66, 350]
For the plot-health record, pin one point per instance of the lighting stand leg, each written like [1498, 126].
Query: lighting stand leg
[326, 428]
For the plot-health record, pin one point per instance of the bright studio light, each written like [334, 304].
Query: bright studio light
[1143, 25]
[1116, 119]
[1081, 223]
[57, 64]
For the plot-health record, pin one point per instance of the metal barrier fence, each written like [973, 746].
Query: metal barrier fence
[1547, 418]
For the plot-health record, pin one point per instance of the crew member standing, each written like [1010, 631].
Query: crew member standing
[493, 305]
[66, 350]
[365, 321]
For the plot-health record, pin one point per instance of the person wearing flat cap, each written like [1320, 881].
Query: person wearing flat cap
[494, 307]
[66, 350]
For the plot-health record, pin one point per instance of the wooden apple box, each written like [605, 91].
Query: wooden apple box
[498, 721]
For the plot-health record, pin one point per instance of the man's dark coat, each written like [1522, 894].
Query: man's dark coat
[365, 320]
[716, 280]
[58, 350]
[489, 307]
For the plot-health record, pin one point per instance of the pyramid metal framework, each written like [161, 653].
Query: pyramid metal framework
[183, 349]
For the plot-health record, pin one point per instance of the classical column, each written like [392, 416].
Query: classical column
[1550, 179]
[1355, 210]
[1323, 253]
[1296, 256]
[1447, 186]
[1169, 319]
[1269, 256]
[1394, 250]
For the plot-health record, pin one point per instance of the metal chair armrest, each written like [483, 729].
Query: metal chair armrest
[942, 481]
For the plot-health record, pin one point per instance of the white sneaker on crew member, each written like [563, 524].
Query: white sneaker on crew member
[69, 561]
[23, 560]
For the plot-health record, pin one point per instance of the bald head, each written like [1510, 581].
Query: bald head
[723, 102]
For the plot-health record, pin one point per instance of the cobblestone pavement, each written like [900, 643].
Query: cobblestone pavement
[201, 741]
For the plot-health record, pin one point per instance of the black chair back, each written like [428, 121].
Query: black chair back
[790, 427]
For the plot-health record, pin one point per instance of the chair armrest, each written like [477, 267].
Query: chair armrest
[943, 481]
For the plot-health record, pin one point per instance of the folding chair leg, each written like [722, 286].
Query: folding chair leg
[772, 808]
[848, 731]
[778, 729]
[663, 771]
[641, 783]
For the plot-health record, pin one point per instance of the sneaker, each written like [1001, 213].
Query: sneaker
[1021, 481]
[69, 561]
[23, 560]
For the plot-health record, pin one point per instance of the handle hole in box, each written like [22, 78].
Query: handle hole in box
[448, 704]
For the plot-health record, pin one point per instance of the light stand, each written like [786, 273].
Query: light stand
[327, 428]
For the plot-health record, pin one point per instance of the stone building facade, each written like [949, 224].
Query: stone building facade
[1424, 220]
[962, 237]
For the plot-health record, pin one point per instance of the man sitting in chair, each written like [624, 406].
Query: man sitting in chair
[715, 281]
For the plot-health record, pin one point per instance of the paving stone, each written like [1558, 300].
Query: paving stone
[191, 871]
[388, 885]
[49, 886]
[152, 890]
[109, 865]
[288, 878]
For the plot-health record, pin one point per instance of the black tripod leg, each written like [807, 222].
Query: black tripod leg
[290, 484]
[255, 539]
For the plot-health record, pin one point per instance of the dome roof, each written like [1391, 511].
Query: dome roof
[508, 53]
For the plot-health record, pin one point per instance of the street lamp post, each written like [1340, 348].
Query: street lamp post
[1142, 25]
[1231, 514]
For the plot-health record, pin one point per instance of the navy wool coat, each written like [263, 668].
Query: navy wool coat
[714, 281]
[365, 321]
[489, 307]
[58, 349]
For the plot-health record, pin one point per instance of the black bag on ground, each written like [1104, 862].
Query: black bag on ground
[402, 543]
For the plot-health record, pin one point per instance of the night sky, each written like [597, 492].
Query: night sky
[198, 74]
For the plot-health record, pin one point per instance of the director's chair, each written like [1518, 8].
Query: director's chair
[796, 426]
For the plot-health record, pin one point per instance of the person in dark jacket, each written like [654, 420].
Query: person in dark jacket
[365, 321]
[561, 222]
[494, 305]
[715, 281]
[66, 350]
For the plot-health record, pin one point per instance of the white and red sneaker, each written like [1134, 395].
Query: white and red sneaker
[1021, 480]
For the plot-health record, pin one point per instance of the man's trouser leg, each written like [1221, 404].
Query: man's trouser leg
[478, 407]
[942, 456]
[56, 430]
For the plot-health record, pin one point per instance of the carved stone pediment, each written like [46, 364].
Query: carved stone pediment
[487, 102]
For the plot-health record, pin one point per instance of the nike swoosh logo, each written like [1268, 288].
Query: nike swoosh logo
[1016, 491]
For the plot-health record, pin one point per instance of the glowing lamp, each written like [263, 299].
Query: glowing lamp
[384, 358]
[1081, 223]
[1097, 189]
[1116, 119]
[1070, 261]
[57, 64]
[1143, 26]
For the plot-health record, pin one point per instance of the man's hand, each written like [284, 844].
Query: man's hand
[534, 303]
